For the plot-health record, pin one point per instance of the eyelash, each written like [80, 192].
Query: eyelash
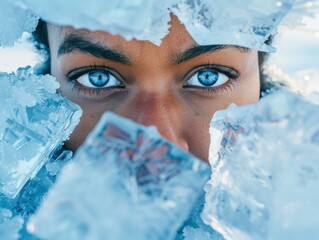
[73, 75]
[230, 71]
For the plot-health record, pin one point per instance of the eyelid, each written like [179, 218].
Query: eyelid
[230, 72]
[78, 72]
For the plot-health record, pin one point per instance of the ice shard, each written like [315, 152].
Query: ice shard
[14, 20]
[14, 213]
[246, 23]
[266, 170]
[34, 120]
[125, 182]
[9, 225]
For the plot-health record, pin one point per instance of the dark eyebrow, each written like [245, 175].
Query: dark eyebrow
[198, 50]
[75, 42]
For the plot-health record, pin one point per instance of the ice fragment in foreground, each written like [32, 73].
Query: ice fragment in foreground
[125, 182]
[194, 228]
[246, 23]
[14, 20]
[266, 170]
[18, 210]
[34, 120]
[144, 20]
[9, 225]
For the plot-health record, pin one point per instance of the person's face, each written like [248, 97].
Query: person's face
[176, 86]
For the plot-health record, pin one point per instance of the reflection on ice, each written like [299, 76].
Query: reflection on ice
[125, 182]
[265, 176]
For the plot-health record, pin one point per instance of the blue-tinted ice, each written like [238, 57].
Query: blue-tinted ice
[248, 23]
[14, 213]
[9, 225]
[34, 120]
[265, 170]
[125, 182]
[14, 20]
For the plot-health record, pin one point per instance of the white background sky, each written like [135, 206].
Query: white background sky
[297, 53]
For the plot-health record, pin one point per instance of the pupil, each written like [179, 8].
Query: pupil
[207, 77]
[99, 79]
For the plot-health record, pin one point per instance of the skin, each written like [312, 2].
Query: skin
[155, 90]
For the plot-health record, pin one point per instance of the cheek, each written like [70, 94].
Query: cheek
[198, 138]
[86, 125]
[245, 91]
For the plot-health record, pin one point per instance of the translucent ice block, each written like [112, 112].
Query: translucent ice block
[125, 182]
[246, 23]
[9, 225]
[14, 20]
[34, 120]
[18, 210]
[266, 170]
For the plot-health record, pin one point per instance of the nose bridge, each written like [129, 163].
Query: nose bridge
[159, 108]
[154, 108]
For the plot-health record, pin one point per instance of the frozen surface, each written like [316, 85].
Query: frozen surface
[9, 225]
[245, 23]
[130, 18]
[14, 20]
[266, 170]
[34, 120]
[194, 228]
[248, 23]
[125, 182]
[15, 212]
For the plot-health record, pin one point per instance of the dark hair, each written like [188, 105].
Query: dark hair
[41, 43]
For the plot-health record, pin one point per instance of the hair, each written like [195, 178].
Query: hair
[41, 43]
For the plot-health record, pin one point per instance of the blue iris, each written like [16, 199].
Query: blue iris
[207, 77]
[99, 79]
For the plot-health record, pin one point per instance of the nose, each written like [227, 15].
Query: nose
[162, 111]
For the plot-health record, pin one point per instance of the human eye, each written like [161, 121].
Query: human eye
[211, 77]
[94, 80]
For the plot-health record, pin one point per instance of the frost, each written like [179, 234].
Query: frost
[244, 23]
[16, 211]
[34, 120]
[140, 19]
[265, 161]
[9, 225]
[15, 20]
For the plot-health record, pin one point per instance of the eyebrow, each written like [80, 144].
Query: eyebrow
[198, 50]
[75, 42]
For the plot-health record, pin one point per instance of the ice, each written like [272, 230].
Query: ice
[15, 20]
[197, 234]
[248, 23]
[194, 228]
[16, 211]
[34, 120]
[266, 170]
[314, 97]
[125, 182]
[245, 23]
[144, 20]
[9, 225]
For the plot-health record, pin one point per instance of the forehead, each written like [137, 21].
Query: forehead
[177, 39]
